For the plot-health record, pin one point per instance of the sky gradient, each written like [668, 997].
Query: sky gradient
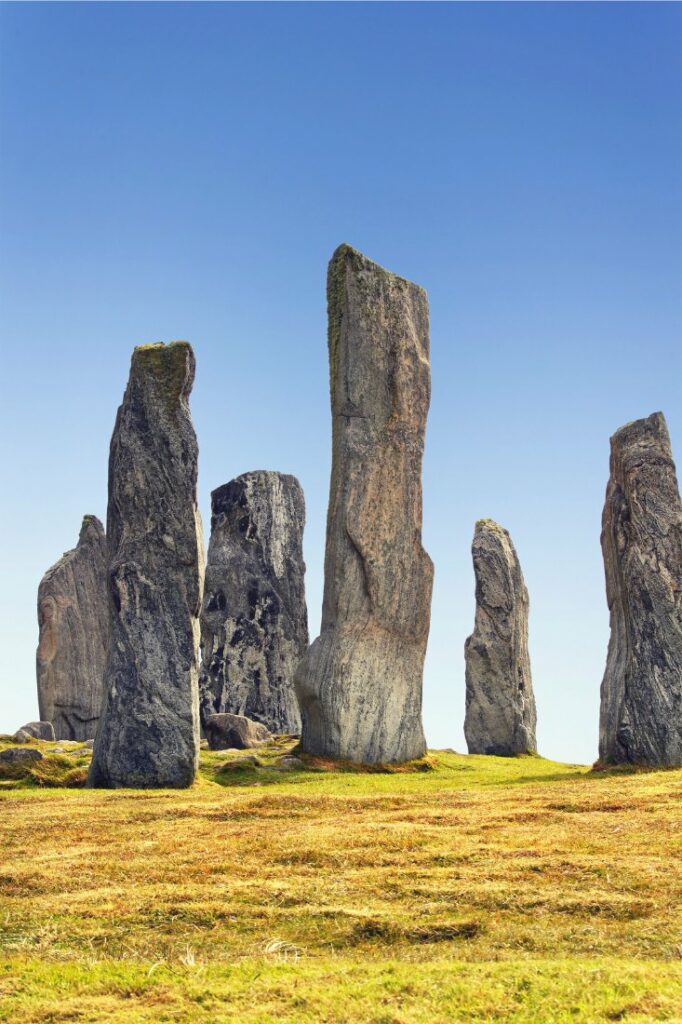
[185, 171]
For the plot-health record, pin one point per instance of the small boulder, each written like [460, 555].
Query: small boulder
[237, 731]
[36, 731]
[20, 755]
[240, 763]
[289, 763]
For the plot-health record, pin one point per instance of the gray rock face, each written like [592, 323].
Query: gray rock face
[20, 755]
[74, 620]
[500, 706]
[227, 732]
[36, 731]
[360, 684]
[641, 693]
[254, 622]
[149, 730]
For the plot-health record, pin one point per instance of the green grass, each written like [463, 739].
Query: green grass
[456, 889]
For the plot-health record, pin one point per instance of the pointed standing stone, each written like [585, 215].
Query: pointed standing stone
[73, 619]
[360, 684]
[500, 706]
[149, 730]
[254, 622]
[641, 693]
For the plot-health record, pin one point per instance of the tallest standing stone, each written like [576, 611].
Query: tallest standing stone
[149, 729]
[360, 684]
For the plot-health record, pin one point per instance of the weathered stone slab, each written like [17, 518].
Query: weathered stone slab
[36, 731]
[74, 620]
[227, 732]
[149, 731]
[641, 692]
[360, 684]
[500, 705]
[254, 622]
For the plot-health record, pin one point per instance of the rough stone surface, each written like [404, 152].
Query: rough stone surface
[20, 755]
[36, 731]
[500, 706]
[73, 619]
[254, 622]
[226, 731]
[641, 693]
[149, 730]
[360, 684]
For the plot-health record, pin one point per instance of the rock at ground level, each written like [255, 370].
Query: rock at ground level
[20, 755]
[36, 731]
[227, 731]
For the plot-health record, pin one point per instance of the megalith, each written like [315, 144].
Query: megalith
[641, 539]
[73, 621]
[254, 622]
[360, 683]
[148, 734]
[500, 706]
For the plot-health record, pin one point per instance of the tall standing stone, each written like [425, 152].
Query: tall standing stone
[360, 684]
[500, 705]
[149, 730]
[254, 622]
[641, 693]
[73, 620]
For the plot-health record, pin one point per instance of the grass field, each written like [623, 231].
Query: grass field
[465, 889]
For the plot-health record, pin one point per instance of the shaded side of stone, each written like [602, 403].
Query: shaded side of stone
[641, 692]
[148, 734]
[254, 621]
[500, 706]
[73, 621]
[360, 684]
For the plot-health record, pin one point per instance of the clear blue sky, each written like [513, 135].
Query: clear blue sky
[185, 171]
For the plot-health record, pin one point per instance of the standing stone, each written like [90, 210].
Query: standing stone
[360, 684]
[149, 730]
[73, 619]
[641, 693]
[254, 622]
[500, 706]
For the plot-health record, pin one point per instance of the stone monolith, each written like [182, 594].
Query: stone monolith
[254, 622]
[149, 729]
[360, 684]
[73, 620]
[641, 692]
[500, 707]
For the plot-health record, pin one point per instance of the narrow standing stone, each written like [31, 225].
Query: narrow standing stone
[641, 693]
[254, 622]
[149, 730]
[360, 684]
[500, 706]
[74, 621]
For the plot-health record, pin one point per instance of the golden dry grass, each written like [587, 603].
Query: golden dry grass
[476, 889]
